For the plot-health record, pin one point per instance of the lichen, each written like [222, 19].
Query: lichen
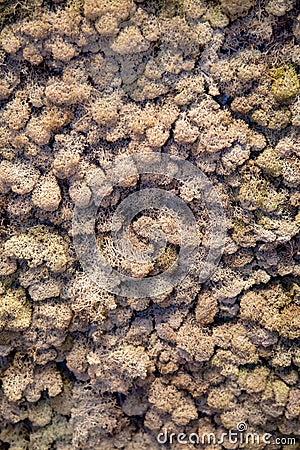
[15, 310]
[286, 84]
[83, 84]
[39, 245]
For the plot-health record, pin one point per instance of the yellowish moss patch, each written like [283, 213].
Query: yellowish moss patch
[286, 84]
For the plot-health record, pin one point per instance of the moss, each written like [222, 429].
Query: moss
[274, 309]
[15, 311]
[13, 10]
[217, 18]
[40, 245]
[285, 84]
[260, 194]
[168, 8]
[167, 259]
[83, 83]
[220, 398]
[272, 118]
[242, 232]
[281, 392]
[75, 6]
[270, 162]
[236, 8]
[42, 438]
[253, 380]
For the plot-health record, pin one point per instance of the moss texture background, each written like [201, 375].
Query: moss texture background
[213, 82]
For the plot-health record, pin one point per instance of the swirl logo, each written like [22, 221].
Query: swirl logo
[169, 238]
[242, 426]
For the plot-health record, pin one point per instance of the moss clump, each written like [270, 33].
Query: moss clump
[40, 245]
[13, 10]
[260, 194]
[286, 83]
[236, 8]
[15, 311]
[217, 18]
[167, 259]
[167, 8]
[75, 6]
[270, 162]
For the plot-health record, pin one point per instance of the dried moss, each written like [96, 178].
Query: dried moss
[14, 10]
[15, 310]
[286, 84]
[81, 84]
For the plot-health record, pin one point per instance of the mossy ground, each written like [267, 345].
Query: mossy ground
[83, 83]
[13, 10]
